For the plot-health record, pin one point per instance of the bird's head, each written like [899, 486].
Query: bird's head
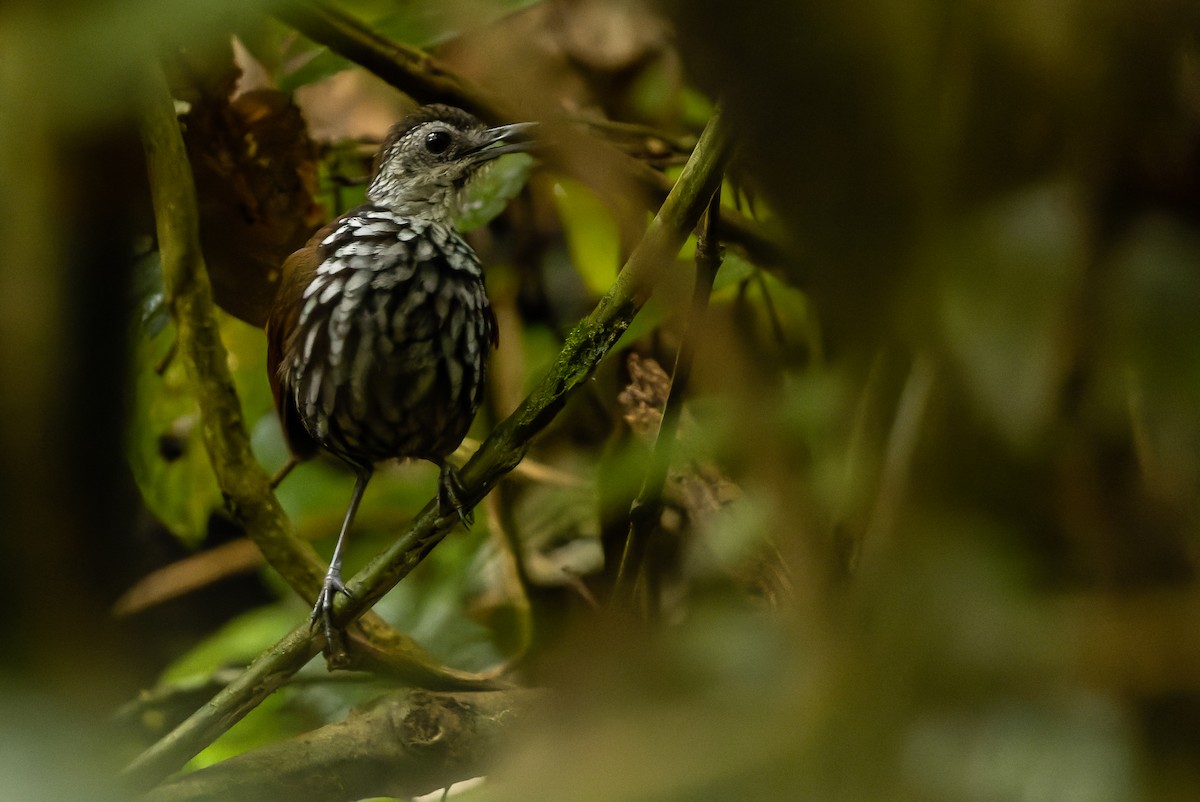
[429, 157]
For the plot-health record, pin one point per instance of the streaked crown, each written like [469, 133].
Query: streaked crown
[429, 158]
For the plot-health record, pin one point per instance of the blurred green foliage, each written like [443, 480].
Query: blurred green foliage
[421, 25]
[592, 238]
[931, 525]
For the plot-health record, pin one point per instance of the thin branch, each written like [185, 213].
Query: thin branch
[646, 137]
[897, 465]
[403, 745]
[647, 508]
[243, 482]
[195, 571]
[173, 701]
[530, 470]
[750, 237]
[586, 346]
[412, 71]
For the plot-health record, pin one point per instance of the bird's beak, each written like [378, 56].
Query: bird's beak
[515, 138]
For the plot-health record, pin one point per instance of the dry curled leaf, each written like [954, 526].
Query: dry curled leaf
[256, 173]
[644, 398]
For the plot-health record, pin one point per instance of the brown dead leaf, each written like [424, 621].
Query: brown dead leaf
[644, 398]
[255, 171]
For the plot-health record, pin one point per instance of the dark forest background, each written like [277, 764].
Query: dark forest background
[929, 527]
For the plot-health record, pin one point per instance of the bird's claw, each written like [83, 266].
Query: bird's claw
[449, 492]
[323, 609]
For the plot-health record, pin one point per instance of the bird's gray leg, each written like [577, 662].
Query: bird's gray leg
[323, 610]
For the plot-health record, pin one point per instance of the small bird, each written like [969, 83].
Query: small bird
[379, 336]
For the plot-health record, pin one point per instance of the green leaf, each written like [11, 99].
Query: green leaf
[164, 446]
[652, 315]
[342, 177]
[236, 643]
[697, 108]
[433, 604]
[247, 348]
[734, 271]
[322, 65]
[428, 24]
[421, 25]
[275, 719]
[491, 191]
[778, 315]
[149, 293]
[593, 239]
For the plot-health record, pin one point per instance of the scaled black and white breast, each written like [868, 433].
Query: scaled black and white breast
[392, 340]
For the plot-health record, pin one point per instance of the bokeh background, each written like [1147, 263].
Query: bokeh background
[931, 526]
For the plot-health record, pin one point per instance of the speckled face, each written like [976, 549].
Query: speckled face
[428, 159]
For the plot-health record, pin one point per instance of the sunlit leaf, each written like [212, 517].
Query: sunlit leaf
[247, 348]
[734, 271]
[428, 24]
[270, 722]
[651, 316]
[236, 643]
[697, 107]
[491, 191]
[778, 316]
[323, 64]
[165, 448]
[592, 236]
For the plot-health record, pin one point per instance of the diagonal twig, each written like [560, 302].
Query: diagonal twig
[647, 508]
[414, 72]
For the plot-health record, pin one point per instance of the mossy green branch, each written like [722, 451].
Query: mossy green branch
[587, 345]
[242, 480]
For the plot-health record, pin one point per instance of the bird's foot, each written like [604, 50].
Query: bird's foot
[450, 491]
[323, 610]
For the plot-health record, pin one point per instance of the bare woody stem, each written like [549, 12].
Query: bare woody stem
[633, 583]
[242, 480]
[412, 71]
[586, 346]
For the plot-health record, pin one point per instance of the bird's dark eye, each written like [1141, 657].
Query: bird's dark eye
[437, 141]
